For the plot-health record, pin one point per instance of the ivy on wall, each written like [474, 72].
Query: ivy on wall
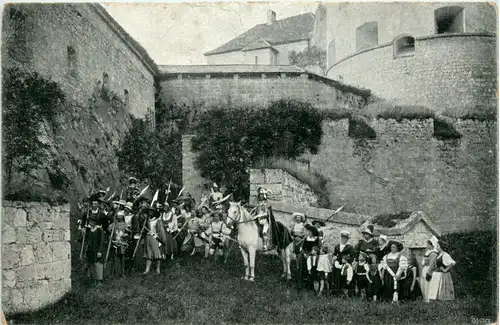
[150, 155]
[229, 141]
[28, 100]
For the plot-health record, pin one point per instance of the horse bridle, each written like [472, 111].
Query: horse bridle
[238, 217]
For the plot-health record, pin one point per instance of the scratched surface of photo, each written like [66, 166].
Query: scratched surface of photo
[244, 162]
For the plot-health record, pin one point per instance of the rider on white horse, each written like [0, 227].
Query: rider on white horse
[262, 215]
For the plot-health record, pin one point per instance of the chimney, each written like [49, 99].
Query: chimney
[271, 17]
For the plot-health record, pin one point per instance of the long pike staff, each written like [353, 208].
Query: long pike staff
[89, 203]
[110, 238]
[167, 192]
[143, 226]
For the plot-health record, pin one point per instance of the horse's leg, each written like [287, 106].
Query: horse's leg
[288, 260]
[251, 258]
[283, 261]
[245, 261]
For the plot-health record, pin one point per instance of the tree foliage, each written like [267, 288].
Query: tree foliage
[149, 155]
[28, 100]
[312, 56]
[229, 141]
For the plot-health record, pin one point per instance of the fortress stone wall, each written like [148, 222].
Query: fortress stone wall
[77, 45]
[440, 55]
[407, 168]
[211, 88]
[36, 259]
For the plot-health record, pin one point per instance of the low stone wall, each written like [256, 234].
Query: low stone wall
[284, 187]
[36, 259]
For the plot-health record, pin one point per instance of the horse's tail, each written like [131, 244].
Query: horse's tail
[281, 236]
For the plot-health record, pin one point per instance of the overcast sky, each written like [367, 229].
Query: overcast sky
[179, 33]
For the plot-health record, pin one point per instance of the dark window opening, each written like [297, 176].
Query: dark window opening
[71, 53]
[404, 45]
[105, 81]
[126, 99]
[449, 20]
[367, 36]
[256, 60]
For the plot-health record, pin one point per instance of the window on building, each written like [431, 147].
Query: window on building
[105, 81]
[256, 60]
[71, 57]
[367, 36]
[125, 96]
[17, 36]
[449, 20]
[404, 45]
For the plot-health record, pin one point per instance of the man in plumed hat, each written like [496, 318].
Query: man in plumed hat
[262, 216]
[96, 248]
[132, 189]
[120, 241]
[215, 195]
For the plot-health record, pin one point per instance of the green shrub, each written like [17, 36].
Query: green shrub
[316, 181]
[475, 272]
[389, 220]
[444, 130]
[386, 110]
[28, 100]
[229, 141]
[360, 129]
[149, 155]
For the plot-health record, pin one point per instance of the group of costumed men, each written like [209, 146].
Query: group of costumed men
[114, 228]
[374, 268]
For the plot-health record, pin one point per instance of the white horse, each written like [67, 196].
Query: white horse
[250, 241]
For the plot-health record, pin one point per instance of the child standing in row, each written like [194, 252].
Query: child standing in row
[375, 279]
[312, 267]
[362, 271]
[324, 269]
[346, 275]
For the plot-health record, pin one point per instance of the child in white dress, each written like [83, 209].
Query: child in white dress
[324, 269]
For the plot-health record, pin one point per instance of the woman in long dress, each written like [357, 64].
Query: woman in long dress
[428, 264]
[154, 240]
[441, 283]
[394, 266]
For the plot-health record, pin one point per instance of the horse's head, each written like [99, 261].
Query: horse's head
[234, 213]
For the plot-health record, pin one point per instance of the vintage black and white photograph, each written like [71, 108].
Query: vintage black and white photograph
[249, 162]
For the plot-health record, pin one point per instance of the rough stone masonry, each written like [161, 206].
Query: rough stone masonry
[36, 259]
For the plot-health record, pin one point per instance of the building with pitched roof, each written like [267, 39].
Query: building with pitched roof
[266, 44]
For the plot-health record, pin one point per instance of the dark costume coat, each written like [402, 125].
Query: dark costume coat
[96, 238]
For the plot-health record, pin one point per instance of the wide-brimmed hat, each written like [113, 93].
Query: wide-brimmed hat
[383, 237]
[101, 193]
[314, 231]
[318, 223]
[398, 244]
[297, 215]
[348, 258]
[120, 202]
[345, 233]
[368, 230]
[129, 206]
[215, 185]
[132, 180]
[363, 254]
[434, 241]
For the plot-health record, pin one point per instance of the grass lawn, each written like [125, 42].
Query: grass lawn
[198, 291]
